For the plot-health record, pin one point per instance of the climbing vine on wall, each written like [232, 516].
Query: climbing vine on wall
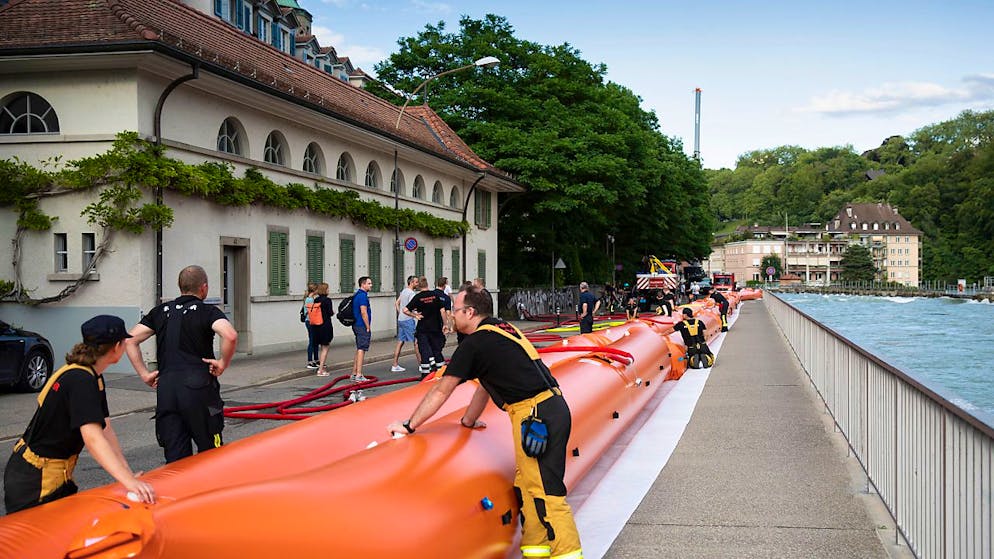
[133, 169]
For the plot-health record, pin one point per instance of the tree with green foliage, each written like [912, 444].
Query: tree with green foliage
[857, 264]
[774, 261]
[593, 161]
[940, 177]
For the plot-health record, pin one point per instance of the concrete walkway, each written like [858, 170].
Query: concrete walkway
[758, 472]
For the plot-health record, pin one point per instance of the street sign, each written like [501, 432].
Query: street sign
[771, 271]
[411, 244]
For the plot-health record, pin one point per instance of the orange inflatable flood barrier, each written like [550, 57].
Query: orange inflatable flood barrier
[317, 488]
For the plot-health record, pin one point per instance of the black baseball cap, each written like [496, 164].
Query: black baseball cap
[104, 329]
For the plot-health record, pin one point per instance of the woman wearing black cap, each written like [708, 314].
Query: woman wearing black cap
[72, 412]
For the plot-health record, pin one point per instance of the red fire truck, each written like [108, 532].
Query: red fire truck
[723, 282]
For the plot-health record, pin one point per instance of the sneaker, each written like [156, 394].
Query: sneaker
[359, 378]
[323, 373]
[397, 369]
[312, 365]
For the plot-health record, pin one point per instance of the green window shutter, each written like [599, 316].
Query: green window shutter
[278, 273]
[481, 265]
[486, 209]
[456, 270]
[346, 251]
[315, 259]
[419, 262]
[398, 269]
[438, 263]
[374, 265]
[477, 202]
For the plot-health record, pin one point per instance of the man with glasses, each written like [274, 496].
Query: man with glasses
[511, 373]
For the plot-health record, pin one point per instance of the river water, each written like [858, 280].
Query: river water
[946, 344]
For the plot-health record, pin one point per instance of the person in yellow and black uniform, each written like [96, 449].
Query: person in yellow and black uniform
[512, 375]
[722, 306]
[699, 355]
[72, 412]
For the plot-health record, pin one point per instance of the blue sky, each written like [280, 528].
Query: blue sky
[772, 73]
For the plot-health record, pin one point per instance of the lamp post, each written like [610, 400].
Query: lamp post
[558, 265]
[485, 62]
[614, 265]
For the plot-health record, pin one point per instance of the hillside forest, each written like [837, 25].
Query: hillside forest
[940, 177]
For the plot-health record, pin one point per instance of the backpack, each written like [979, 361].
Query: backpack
[314, 314]
[346, 315]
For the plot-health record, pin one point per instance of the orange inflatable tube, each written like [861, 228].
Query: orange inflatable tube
[313, 488]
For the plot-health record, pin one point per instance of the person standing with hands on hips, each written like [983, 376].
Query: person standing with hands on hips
[72, 413]
[511, 373]
[589, 305]
[188, 406]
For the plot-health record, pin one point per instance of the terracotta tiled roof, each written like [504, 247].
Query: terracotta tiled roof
[448, 135]
[79, 24]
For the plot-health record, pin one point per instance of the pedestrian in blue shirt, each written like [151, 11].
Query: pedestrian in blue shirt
[363, 326]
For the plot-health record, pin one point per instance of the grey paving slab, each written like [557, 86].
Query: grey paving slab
[756, 473]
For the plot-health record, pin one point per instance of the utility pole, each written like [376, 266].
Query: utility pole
[697, 124]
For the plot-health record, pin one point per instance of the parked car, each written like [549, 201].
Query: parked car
[25, 358]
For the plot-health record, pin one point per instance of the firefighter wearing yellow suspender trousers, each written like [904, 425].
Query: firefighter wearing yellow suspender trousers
[72, 412]
[512, 375]
[699, 355]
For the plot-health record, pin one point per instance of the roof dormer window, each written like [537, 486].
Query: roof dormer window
[263, 28]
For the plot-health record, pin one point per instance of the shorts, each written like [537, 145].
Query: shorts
[362, 337]
[405, 330]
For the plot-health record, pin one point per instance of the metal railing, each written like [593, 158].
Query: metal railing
[930, 461]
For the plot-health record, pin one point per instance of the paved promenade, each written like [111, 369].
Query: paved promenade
[759, 471]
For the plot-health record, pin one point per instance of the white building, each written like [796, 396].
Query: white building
[233, 88]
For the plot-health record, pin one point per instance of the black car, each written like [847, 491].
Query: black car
[25, 358]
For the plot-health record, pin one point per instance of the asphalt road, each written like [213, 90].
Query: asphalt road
[136, 431]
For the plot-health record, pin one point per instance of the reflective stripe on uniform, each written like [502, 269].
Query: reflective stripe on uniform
[55, 472]
[578, 554]
[536, 551]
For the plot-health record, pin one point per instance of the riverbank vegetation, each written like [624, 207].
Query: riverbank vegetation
[940, 177]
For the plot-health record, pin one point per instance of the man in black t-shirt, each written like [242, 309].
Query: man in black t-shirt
[511, 374]
[188, 395]
[588, 308]
[722, 306]
[429, 308]
[692, 330]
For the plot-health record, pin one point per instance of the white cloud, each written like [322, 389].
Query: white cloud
[901, 96]
[361, 56]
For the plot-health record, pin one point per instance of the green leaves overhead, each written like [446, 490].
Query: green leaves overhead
[594, 162]
[133, 168]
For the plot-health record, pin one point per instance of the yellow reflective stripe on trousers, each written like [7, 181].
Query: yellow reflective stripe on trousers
[536, 551]
[578, 554]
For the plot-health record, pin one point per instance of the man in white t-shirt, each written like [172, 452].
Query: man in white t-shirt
[405, 322]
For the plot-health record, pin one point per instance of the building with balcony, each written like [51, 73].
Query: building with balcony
[222, 81]
[814, 251]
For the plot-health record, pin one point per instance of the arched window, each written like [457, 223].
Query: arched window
[397, 181]
[230, 137]
[372, 179]
[345, 170]
[275, 151]
[897, 225]
[454, 198]
[313, 159]
[876, 226]
[419, 188]
[27, 113]
[436, 193]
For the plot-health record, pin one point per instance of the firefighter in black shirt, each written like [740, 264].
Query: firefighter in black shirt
[511, 373]
[722, 306]
[188, 395]
[72, 412]
[699, 354]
